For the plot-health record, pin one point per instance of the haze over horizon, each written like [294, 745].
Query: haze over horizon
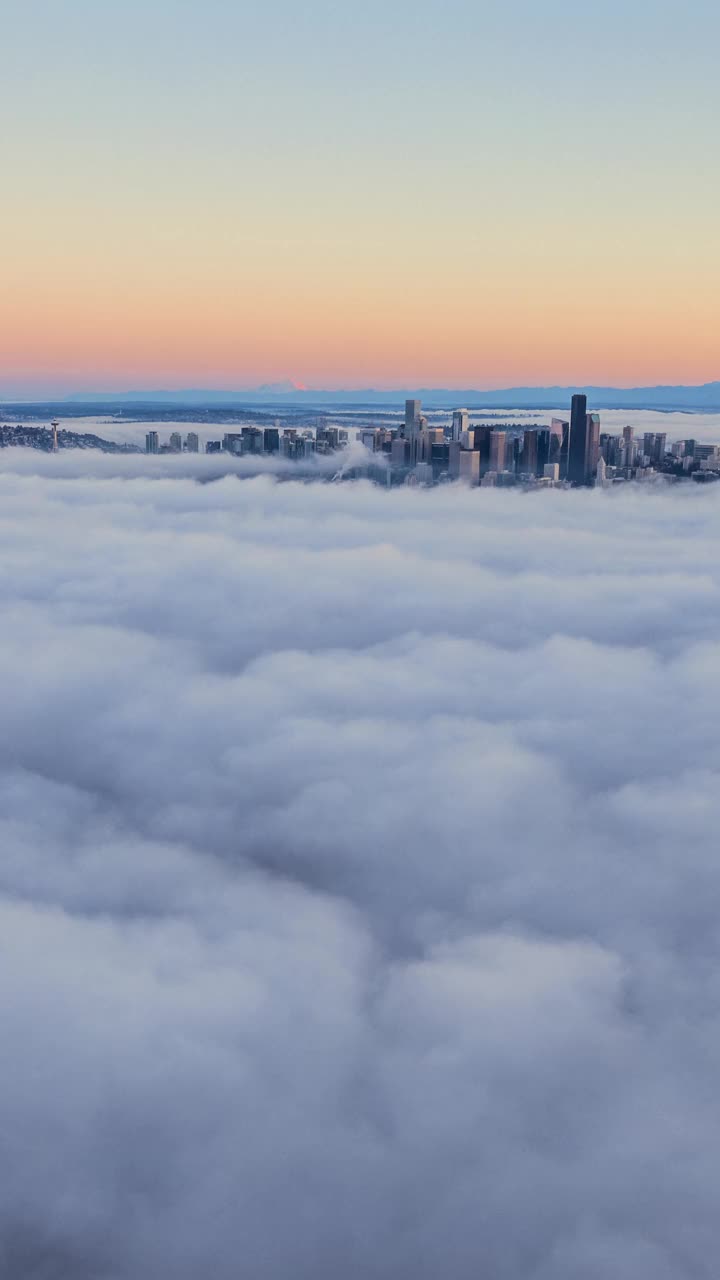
[666, 395]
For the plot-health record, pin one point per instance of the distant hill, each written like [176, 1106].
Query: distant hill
[665, 397]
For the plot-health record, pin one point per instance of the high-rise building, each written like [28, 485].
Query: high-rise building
[528, 460]
[481, 442]
[463, 464]
[327, 437]
[253, 440]
[440, 458]
[412, 416]
[469, 466]
[611, 449]
[584, 446]
[460, 423]
[564, 454]
[271, 440]
[232, 442]
[192, 442]
[175, 442]
[427, 439]
[559, 431]
[497, 451]
[660, 447]
[578, 446]
[399, 452]
[152, 442]
[649, 444]
[544, 445]
[593, 436]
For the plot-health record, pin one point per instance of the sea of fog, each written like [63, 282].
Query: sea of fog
[359, 877]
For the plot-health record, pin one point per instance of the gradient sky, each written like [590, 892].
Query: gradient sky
[393, 194]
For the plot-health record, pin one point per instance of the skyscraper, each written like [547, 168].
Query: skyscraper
[400, 452]
[528, 460]
[497, 451]
[584, 448]
[544, 445]
[460, 423]
[564, 454]
[482, 444]
[463, 464]
[578, 444]
[593, 450]
[412, 416]
[151, 442]
[426, 439]
[192, 442]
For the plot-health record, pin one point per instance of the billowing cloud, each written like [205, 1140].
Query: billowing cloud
[359, 878]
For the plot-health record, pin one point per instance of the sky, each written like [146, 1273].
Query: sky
[358, 897]
[465, 193]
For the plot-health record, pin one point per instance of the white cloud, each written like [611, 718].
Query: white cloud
[359, 878]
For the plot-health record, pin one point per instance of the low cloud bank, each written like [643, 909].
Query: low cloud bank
[359, 879]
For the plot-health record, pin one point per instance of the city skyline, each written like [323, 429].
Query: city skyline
[414, 448]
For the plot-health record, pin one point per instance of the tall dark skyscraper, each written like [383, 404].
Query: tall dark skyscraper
[584, 450]
[482, 444]
[544, 444]
[578, 445]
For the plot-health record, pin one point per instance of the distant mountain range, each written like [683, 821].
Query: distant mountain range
[705, 397]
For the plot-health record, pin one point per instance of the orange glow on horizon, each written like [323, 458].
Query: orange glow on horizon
[360, 315]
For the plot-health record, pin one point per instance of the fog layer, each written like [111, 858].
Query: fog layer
[359, 884]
